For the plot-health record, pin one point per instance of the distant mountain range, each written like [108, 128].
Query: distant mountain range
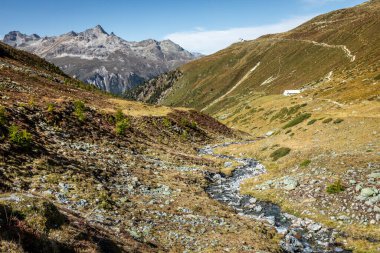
[104, 60]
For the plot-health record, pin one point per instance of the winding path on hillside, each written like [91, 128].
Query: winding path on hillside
[233, 88]
[300, 234]
[344, 48]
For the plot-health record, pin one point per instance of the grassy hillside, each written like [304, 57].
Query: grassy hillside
[342, 43]
[82, 171]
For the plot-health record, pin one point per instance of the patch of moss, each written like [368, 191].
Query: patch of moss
[278, 153]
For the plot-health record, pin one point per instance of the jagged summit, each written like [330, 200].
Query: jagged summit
[104, 60]
[97, 30]
[16, 38]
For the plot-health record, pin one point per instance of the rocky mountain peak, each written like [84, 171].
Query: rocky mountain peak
[15, 38]
[104, 60]
[96, 31]
[71, 34]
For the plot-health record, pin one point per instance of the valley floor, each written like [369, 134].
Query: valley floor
[322, 160]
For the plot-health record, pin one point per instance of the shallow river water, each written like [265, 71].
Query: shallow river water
[300, 235]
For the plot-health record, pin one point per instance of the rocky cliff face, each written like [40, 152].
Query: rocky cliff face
[155, 89]
[104, 60]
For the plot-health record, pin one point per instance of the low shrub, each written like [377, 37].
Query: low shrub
[337, 121]
[19, 137]
[328, 120]
[119, 115]
[3, 116]
[305, 163]
[31, 103]
[185, 135]
[121, 122]
[189, 124]
[121, 126]
[311, 122]
[335, 187]
[54, 218]
[166, 122]
[50, 108]
[300, 118]
[79, 110]
[278, 153]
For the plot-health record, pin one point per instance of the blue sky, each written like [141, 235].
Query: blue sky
[198, 25]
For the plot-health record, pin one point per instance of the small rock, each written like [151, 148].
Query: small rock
[374, 175]
[358, 187]
[82, 202]
[352, 181]
[271, 220]
[367, 192]
[314, 227]
[343, 217]
[290, 183]
[227, 164]
[258, 208]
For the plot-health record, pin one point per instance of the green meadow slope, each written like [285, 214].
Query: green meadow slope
[342, 43]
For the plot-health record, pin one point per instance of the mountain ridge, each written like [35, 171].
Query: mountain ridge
[104, 60]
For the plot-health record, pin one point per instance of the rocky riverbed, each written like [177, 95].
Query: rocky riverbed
[299, 235]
